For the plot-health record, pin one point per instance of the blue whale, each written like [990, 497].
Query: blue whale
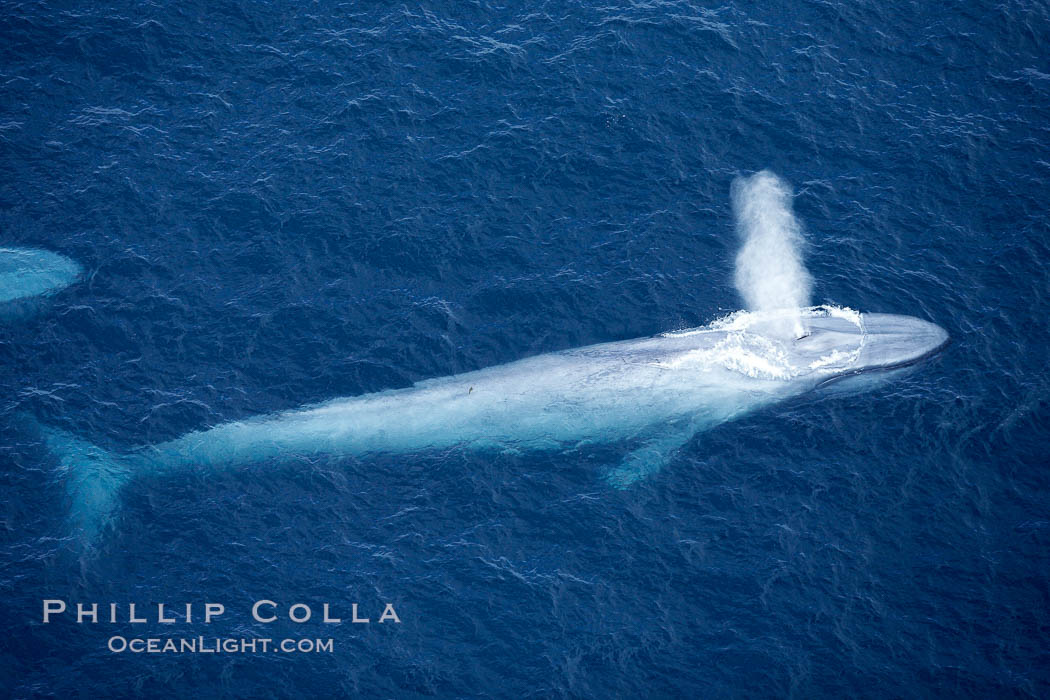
[30, 274]
[652, 393]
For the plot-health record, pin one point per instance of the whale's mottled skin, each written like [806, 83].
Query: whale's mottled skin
[655, 392]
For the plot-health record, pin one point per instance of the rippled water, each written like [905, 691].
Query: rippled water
[279, 204]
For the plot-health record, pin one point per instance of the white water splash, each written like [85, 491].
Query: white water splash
[770, 273]
[752, 344]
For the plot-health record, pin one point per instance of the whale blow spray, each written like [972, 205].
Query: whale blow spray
[769, 270]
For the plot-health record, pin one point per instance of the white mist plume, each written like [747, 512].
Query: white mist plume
[769, 270]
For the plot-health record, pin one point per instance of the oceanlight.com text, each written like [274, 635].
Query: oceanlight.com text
[218, 645]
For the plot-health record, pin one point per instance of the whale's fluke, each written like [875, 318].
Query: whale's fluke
[770, 274]
[93, 479]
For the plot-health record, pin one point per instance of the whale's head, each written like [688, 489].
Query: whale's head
[833, 342]
[840, 342]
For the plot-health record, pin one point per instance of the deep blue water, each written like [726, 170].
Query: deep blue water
[277, 204]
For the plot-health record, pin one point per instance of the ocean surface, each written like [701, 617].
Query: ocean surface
[276, 204]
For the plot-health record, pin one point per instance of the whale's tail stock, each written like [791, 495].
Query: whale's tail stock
[93, 479]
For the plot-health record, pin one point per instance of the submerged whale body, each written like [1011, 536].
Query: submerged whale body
[31, 272]
[654, 392]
